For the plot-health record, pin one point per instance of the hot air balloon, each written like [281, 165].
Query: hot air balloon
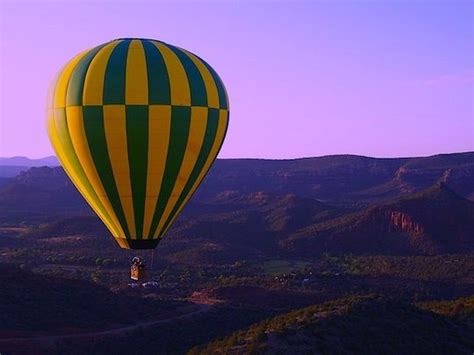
[136, 125]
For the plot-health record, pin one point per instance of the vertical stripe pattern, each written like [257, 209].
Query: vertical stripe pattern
[137, 124]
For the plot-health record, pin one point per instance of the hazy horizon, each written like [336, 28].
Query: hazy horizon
[381, 79]
[302, 157]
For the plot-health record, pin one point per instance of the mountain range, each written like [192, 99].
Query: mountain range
[10, 167]
[28, 162]
[302, 207]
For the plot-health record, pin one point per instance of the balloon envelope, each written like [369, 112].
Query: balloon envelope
[136, 124]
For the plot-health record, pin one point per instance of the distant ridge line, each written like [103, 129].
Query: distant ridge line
[26, 161]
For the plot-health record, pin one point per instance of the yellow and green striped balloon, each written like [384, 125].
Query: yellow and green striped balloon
[136, 124]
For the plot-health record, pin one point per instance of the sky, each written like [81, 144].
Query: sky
[305, 78]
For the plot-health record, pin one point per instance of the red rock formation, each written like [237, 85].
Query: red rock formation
[405, 223]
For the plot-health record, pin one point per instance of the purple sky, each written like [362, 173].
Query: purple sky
[377, 78]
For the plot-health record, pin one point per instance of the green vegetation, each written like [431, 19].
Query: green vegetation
[462, 307]
[364, 324]
[438, 267]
